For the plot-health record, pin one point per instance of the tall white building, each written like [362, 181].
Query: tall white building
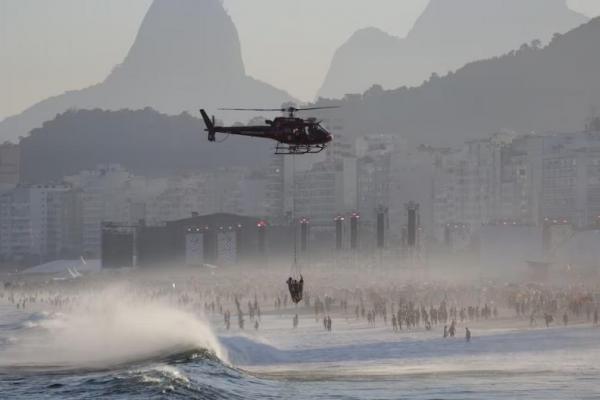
[178, 198]
[37, 223]
[10, 158]
[485, 181]
[376, 154]
[519, 179]
[571, 178]
[204, 193]
[325, 191]
[108, 193]
[318, 186]
[326, 188]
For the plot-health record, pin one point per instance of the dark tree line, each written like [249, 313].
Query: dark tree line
[145, 142]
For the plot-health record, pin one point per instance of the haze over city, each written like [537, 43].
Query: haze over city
[224, 199]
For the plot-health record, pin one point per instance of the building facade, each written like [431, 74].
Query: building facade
[571, 178]
[522, 180]
[39, 223]
[10, 159]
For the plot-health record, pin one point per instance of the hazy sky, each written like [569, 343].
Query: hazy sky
[48, 47]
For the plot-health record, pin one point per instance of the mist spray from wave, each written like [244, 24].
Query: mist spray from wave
[109, 329]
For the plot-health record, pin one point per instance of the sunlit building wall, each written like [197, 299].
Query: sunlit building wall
[38, 223]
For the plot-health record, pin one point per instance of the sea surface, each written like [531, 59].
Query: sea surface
[353, 361]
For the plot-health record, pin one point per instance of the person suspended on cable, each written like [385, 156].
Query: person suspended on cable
[292, 287]
[299, 289]
[295, 287]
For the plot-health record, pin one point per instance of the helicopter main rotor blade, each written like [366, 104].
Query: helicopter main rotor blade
[316, 108]
[288, 109]
[252, 109]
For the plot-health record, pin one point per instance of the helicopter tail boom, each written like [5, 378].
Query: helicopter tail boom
[210, 126]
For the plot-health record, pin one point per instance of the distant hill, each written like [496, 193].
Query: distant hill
[186, 56]
[144, 141]
[449, 34]
[547, 89]
[554, 88]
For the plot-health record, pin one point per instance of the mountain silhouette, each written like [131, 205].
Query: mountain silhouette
[145, 142]
[554, 88]
[530, 89]
[186, 55]
[448, 34]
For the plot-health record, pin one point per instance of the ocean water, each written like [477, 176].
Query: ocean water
[147, 352]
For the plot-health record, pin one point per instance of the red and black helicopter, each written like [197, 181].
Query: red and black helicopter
[293, 135]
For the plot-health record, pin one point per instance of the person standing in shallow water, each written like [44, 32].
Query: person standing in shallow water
[548, 319]
[467, 335]
[452, 329]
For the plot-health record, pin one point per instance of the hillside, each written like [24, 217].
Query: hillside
[145, 142]
[187, 55]
[449, 34]
[532, 89]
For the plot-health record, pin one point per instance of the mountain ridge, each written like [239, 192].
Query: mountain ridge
[166, 69]
[446, 36]
[145, 142]
[529, 89]
[552, 88]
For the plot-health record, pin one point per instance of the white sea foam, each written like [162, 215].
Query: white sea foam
[162, 374]
[108, 329]
[30, 324]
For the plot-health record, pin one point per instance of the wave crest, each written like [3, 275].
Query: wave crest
[111, 329]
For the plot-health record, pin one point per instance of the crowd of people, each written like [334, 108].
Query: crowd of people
[397, 307]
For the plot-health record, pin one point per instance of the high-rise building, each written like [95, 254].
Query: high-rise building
[318, 193]
[108, 193]
[487, 180]
[10, 156]
[374, 174]
[521, 180]
[279, 188]
[39, 223]
[571, 178]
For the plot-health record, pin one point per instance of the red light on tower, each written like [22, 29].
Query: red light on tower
[304, 226]
[339, 220]
[262, 237]
[354, 231]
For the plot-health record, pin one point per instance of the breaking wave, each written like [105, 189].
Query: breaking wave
[108, 330]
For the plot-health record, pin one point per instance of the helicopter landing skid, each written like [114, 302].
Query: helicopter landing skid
[283, 149]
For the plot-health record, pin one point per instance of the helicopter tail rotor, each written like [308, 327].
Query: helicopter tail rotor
[210, 125]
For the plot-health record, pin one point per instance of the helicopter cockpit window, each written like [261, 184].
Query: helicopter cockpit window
[301, 131]
[317, 130]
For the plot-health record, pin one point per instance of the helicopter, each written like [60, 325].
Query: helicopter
[293, 135]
